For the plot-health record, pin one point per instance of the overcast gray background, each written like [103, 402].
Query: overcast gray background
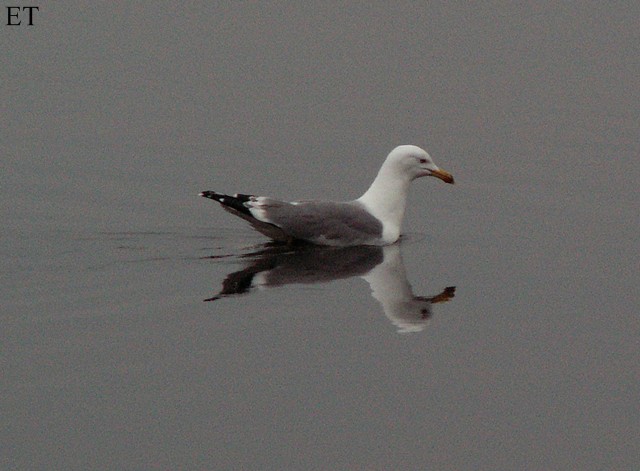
[115, 115]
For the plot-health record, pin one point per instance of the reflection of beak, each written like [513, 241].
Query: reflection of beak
[442, 175]
[448, 293]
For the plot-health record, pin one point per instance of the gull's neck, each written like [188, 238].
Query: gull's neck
[386, 199]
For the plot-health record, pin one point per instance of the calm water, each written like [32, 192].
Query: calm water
[145, 328]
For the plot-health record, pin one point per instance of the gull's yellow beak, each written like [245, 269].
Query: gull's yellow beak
[442, 175]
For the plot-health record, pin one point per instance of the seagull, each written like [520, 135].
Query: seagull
[373, 219]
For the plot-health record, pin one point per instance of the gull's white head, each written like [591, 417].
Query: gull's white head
[416, 162]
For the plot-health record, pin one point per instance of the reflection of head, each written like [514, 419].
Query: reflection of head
[389, 286]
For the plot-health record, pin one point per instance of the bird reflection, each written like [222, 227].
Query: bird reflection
[381, 267]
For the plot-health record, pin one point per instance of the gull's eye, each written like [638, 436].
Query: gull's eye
[423, 161]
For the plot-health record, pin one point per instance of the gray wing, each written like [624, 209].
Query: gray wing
[322, 222]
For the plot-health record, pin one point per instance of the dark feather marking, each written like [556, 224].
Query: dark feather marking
[236, 202]
[235, 205]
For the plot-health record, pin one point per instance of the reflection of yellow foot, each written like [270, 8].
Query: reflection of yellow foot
[445, 296]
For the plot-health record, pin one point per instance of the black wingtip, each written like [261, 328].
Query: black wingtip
[235, 202]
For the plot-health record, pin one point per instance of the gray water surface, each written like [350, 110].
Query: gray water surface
[145, 328]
